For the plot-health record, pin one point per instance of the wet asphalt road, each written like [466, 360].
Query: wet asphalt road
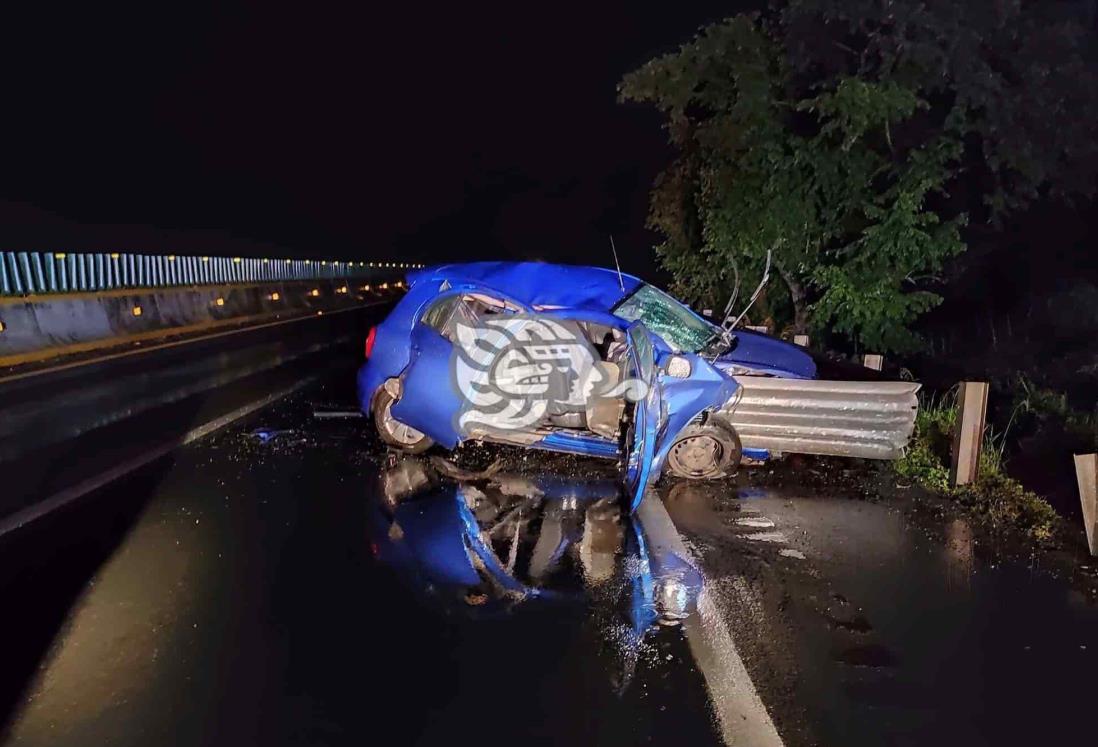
[243, 591]
[229, 595]
[862, 626]
[66, 424]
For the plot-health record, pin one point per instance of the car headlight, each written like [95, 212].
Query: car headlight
[678, 366]
[734, 370]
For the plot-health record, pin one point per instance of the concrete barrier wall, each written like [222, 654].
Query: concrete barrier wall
[36, 324]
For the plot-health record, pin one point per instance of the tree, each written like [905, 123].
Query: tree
[833, 136]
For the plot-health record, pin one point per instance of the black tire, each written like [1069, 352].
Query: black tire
[383, 402]
[706, 451]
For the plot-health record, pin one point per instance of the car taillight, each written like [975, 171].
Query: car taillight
[370, 341]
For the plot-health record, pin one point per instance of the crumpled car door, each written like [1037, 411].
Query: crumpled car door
[429, 401]
[640, 443]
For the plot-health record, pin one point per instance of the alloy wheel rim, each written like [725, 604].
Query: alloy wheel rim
[404, 434]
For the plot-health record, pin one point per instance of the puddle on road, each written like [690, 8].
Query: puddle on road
[841, 605]
[505, 543]
[494, 540]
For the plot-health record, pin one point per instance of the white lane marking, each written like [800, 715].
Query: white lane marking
[766, 537]
[68, 495]
[743, 718]
[760, 523]
[787, 553]
[175, 343]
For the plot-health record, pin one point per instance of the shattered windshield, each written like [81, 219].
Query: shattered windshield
[668, 318]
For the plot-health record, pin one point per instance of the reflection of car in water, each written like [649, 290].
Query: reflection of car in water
[481, 547]
[709, 395]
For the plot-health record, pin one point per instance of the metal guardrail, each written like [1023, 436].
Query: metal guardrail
[868, 419]
[27, 273]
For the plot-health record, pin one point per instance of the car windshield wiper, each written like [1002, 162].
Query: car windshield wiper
[719, 342]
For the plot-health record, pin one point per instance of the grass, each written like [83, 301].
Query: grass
[995, 496]
[927, 454]
[1046, 408]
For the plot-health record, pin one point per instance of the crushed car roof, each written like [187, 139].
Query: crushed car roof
[539, 284]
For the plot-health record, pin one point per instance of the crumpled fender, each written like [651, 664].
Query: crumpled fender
[684, 399]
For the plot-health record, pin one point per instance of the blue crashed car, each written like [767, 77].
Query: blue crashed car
[594, 362]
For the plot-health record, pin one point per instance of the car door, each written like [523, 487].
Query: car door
[640, 443]
[429, 402]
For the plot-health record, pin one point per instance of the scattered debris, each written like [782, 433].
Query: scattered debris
[266, 435]
[336, 414]
[512, 554]
[454, 472]
[516, 485]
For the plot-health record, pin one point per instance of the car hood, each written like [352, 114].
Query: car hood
[767, 355]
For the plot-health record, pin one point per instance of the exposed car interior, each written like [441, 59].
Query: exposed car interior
[447, 312]
[600, 414]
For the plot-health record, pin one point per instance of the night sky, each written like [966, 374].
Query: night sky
[339, 130]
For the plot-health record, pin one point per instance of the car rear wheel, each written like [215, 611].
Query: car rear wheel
[705, 451]
[395, 433]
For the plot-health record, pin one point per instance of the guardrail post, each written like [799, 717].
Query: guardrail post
[968, 433]
[873, 360]
[60, 272]
[801, 340]
[1086, 472]
[41, 285]
[15, 282]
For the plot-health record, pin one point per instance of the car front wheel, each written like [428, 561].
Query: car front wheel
[395, 433]
[705, 451]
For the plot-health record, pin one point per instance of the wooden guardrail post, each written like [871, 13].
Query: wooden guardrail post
[1086, 472]
[801, 340]
[968, 433]
[873, 360]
